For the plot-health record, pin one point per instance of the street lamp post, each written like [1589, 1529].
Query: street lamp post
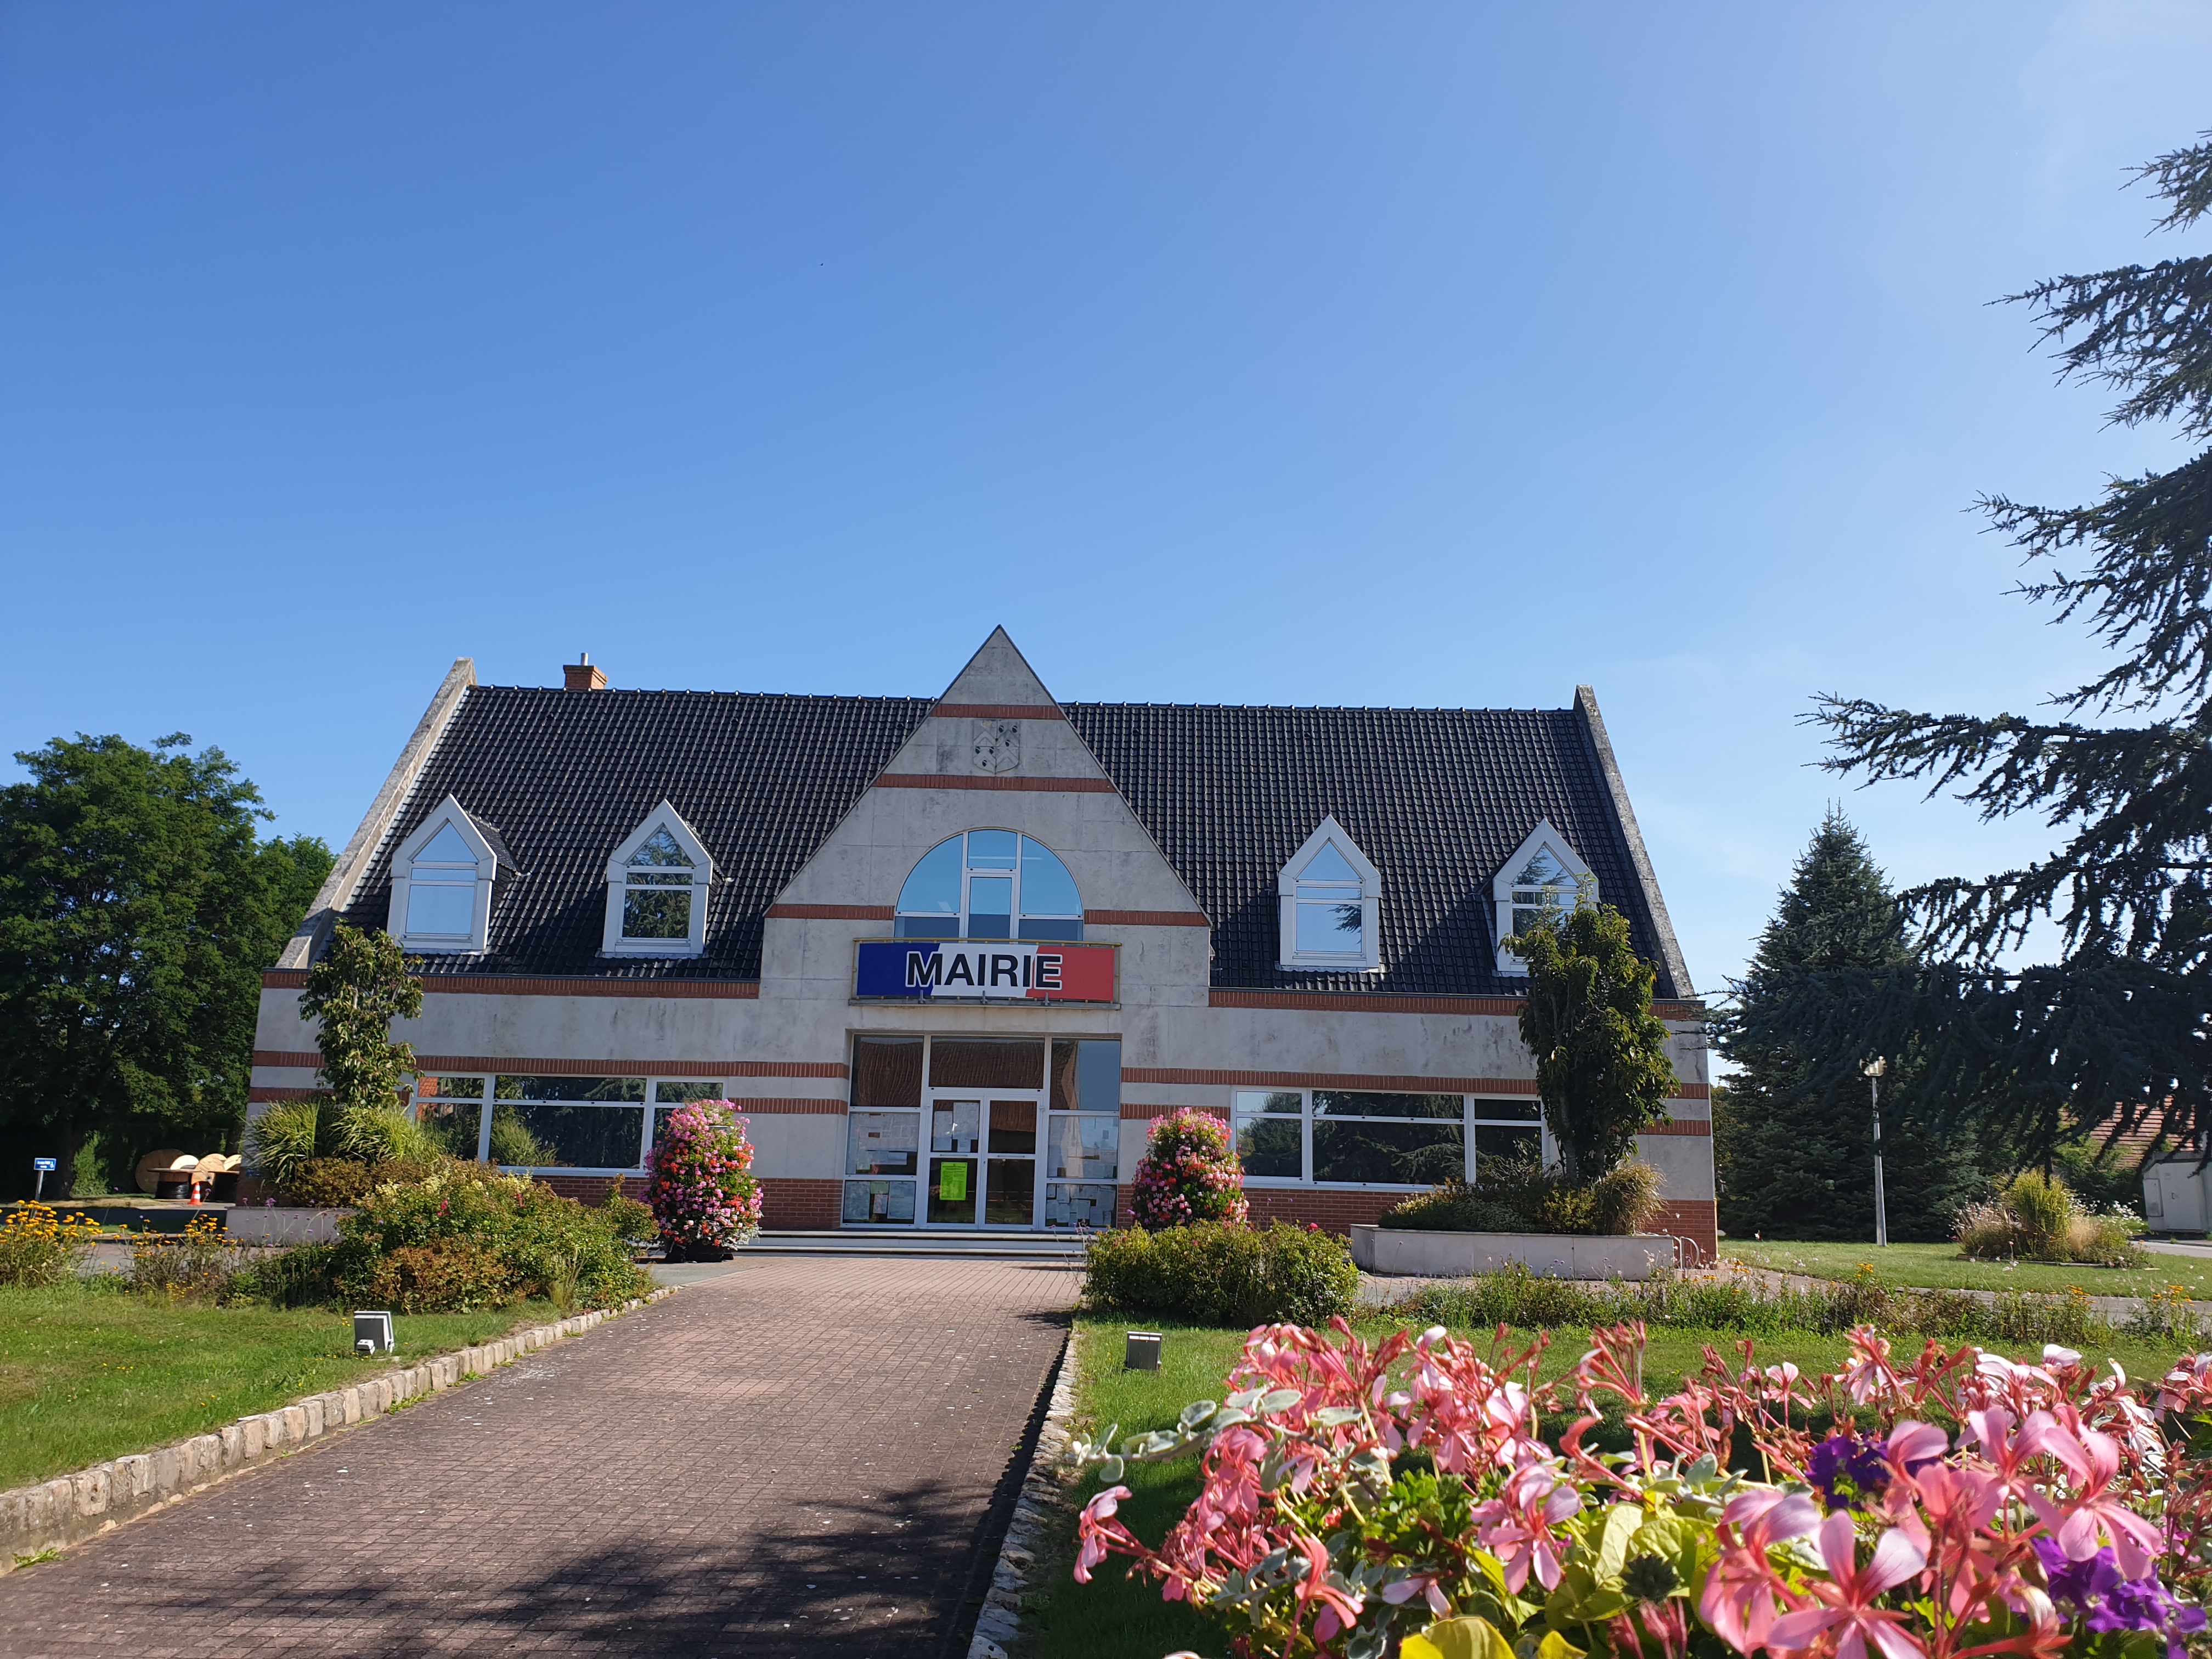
[1873, 1069]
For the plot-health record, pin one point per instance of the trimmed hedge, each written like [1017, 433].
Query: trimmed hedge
[1523, 1199]
[1223, 1273]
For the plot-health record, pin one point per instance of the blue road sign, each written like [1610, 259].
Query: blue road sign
[44, 1163]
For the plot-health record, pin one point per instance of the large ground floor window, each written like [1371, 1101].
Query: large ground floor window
[976, 1132]
[553, 1125]
[1362, 1138]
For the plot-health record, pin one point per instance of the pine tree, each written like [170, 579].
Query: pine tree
[1794, 1133]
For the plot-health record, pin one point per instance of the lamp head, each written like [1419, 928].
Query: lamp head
[1875, 1066]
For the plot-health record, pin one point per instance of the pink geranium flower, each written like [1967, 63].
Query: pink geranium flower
[1744, 1593]
[1847, 1599]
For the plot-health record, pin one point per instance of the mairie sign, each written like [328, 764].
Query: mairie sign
[1014, 970]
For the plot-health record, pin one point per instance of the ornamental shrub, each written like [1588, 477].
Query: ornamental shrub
[460, 1215]
[1521, 1198]
[1223, 1273]
[705, 1199]
[1188, 1173]
[2039, 1218]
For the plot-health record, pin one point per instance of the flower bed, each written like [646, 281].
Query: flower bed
[1974, 1505]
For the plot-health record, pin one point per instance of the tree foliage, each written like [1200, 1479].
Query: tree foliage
[1793, 1136]
[356, 990]
[1601, 1064]
[137, 910]
[2118, 1028]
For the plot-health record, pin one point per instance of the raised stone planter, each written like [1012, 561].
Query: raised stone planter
[1394, 1252]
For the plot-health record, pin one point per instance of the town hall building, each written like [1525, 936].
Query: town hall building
[951, 955]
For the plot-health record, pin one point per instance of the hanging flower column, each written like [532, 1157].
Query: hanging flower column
[1189, 1173]
[705, 1199]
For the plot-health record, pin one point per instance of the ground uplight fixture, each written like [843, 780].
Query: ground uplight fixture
[372, 1333]
[1143, 1352]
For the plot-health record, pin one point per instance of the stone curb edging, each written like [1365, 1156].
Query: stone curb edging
[70, 1508]
[1001, 1621]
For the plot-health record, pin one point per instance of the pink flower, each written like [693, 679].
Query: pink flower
[2093, 1459]
[1531, 1503]
[1097, 1528]
[1743, 1592]
[1848, 1597]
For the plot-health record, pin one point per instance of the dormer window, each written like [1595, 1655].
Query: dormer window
[443, 879]
[989, 883]
[1331, 897]
[657, 885]
[1544, 879]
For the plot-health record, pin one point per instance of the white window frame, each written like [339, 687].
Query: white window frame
[1471, 1117]
[1543, 837]
[970, 873]
[488, 1102]
[1366, 960]
[663, 816]
[448, 810]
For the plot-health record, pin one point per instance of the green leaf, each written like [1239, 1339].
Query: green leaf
[1462, 1638]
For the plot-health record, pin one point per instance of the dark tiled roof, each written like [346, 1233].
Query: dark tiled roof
[564, 776]
[1438, 798]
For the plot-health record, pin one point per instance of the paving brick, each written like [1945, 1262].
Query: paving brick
[804, 1449]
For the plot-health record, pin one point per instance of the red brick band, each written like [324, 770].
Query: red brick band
[540, 1068]
[961, 780]
[1146, 919]
[805, 1106]
[1386, 1082]
[831, 912]
[998, 711]
[522, 985]
[1387, 1002]
[1681, 1126]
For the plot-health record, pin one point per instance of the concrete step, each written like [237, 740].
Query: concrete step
[980, 1245]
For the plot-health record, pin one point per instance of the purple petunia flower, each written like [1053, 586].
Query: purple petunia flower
[2109, 1602]
[1849, 1470]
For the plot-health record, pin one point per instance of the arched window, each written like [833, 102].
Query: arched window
[657, 885]
[989, 883]
[443, 877]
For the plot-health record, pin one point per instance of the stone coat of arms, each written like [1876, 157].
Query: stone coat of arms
[997, 745]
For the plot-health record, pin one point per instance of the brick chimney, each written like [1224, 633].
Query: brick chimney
[582, 677]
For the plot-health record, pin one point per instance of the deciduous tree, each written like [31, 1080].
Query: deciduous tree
[137, 909]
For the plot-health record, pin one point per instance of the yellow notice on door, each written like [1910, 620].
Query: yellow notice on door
[951, 1181]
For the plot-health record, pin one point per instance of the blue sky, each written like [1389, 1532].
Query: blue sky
[1417, 354]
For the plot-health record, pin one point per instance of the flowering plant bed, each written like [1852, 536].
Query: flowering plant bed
[1974, 1505]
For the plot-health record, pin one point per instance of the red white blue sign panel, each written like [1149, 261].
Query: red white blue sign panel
[982, 970]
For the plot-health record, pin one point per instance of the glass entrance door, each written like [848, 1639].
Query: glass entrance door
[982, 1160]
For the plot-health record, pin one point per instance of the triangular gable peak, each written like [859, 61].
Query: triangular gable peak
[445, 875]
[1545, 874]
[995, 752]
[657, 882]
[1332, 895]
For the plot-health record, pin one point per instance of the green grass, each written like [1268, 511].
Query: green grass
[1116, 1617]
[1940, 1267]
[89, 1373]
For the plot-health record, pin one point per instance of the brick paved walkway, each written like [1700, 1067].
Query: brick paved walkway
[805, 1450]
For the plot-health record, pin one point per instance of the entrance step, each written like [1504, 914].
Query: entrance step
[980, 1245]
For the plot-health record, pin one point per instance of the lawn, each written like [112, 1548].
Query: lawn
[1114, 1617]
[1940, 1267]
[89, 1373]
